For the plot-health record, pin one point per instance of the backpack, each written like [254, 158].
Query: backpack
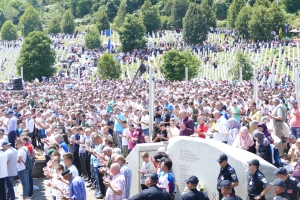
[30, 162]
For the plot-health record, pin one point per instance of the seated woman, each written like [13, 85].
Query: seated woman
[263, 148]
[262, 127]
[243, 140]
[294, 152]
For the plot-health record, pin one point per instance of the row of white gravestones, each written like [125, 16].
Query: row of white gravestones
[8, 67]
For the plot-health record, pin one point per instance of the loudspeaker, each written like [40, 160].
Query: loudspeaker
[16, 83]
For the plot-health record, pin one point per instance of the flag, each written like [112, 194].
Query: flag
[107, 33]
[108, 44]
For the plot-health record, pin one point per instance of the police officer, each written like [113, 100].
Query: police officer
[258, 186]
[193, 194]
[279, 190]
[226, 173]
[291, 183]
[153, 192]
[226, 190]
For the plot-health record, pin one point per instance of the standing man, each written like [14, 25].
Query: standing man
[3, 173]
[153, 192]
[12, 127]
[166, 177]
[119, 117]
[279, 190]
[279, 116]
[12, 170]
[291, 183]
[145, 122]
[226, 173]
[258, 186]
[76, 187]
[116, 186]
[193, 194]
[126, 171]
[295, 119]
[221, 129]
[30, 126]
[227, 191]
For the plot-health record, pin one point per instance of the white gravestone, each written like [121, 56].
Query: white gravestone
[196, 156]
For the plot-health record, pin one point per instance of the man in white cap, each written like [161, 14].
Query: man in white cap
[162, 150]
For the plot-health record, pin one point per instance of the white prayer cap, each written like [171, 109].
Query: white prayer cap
[161, 150]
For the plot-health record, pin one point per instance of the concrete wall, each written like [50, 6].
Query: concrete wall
[135, 162]
[195, 156]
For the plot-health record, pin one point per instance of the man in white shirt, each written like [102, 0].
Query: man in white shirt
[221, 127]
[29, 123]
[145, 122]
[125, 136]
[12, 170]
[3, 173]
[23, 173]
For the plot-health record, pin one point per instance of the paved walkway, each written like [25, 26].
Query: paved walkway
[44, 192]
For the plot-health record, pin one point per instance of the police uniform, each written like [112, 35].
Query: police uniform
[256, 184]
[282, 196]
[231, 197]
[292, 187]
[193, 194]
[226, 173]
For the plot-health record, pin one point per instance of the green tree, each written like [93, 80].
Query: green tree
[264, 3]
[119, 20]
[102, 21]
[233, 11]
[2, 18]
[220, 7]
[132, 33]
[241, 61]
[277, 16]
[291, 5]
[68, 24]
[108, 67]
[112, 9]
[178, 11]
[195, 28]
[92, 39]
[150, 16]
[30, 20]
[9, 31]
[209, 14]
[36, 57]
[54, 25]
[260, 25]
[175, 62]
[242, 21]
[280, 33]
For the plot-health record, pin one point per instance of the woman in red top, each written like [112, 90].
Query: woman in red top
[201, 128]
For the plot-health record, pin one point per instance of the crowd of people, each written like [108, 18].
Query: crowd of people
[90, 134]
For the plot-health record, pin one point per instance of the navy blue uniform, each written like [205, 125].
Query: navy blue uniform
[226, 173]
[231, 197]
[194, 194]
[152, 193]
[256, 184]
[282, 196]
[292, 187]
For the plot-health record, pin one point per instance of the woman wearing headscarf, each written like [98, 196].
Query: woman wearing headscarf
[262, 127]
[296, 172]
[263, 146]
[234, 128]
[243, 140]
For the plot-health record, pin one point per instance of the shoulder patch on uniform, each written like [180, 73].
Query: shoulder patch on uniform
[259, 174]
[292, 178]
[264, 180]
[233, 176]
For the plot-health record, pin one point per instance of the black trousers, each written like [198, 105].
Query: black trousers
[88, 165]
[2, 188]
[77, 162]
[102, 186]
